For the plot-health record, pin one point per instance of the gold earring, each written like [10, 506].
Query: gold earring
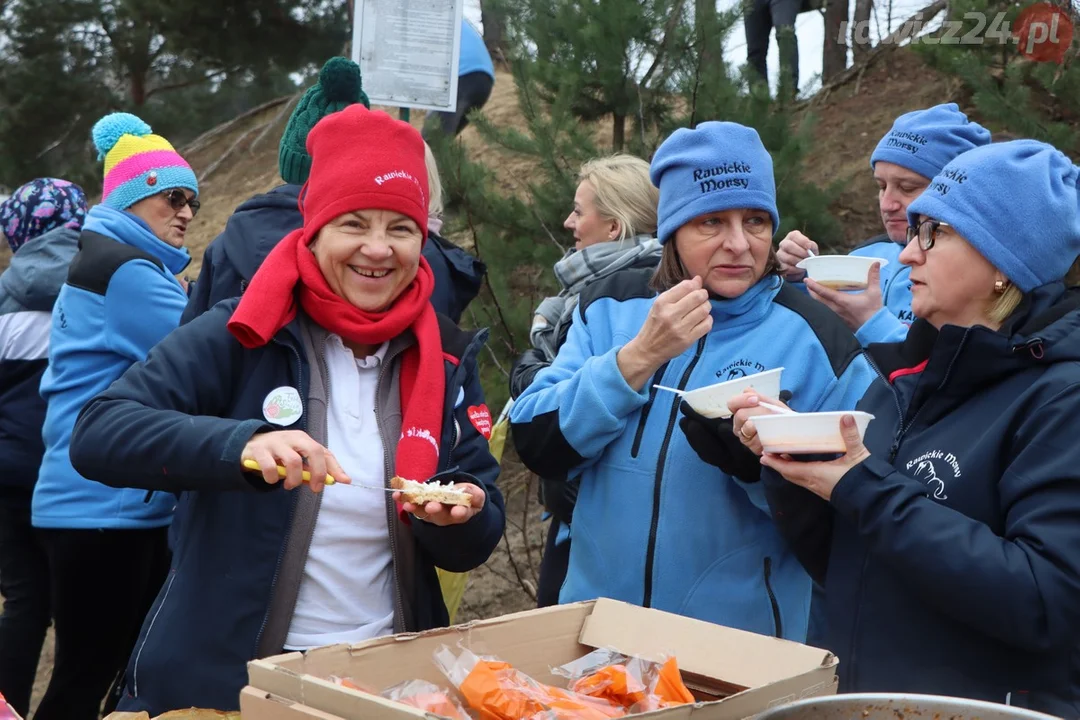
[1000, 286]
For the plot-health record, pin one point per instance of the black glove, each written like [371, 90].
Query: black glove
[715, 442]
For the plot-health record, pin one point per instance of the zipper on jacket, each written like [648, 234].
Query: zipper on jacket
[904, 427]
[288, 525]
[650, 551]
[391, 508]
[656, 379]
[895, 447]
[772, 598]
[146, 638]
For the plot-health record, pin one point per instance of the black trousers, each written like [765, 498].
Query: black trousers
[759, 21]
[24, 584]
[473, 91]
[552, 567]
[103, 584]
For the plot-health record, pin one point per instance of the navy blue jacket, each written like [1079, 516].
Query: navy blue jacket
[260, 223]
[178, 422]
[951, 557]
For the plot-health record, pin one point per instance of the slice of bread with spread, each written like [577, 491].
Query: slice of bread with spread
[419, 493]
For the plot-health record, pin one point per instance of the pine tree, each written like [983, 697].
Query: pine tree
[516, 224]
[183, 66]
[1011, 93]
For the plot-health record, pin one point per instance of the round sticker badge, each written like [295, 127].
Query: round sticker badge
[282, 406]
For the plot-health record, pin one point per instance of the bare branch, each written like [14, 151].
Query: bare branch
[669, 32]
[225, 155]
[55, 144]
[285, 109]
[186, 83]
[201, 141]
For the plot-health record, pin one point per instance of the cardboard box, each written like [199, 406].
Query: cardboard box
[734, 674]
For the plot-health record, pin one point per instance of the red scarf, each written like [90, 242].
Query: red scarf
[269, 304]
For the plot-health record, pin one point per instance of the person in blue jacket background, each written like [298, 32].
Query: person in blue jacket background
[476, 78]
[107, 547]
[259, 223]
[41, 222]
[914, 150]
[655, 524]
[335, 360]
[949, 538]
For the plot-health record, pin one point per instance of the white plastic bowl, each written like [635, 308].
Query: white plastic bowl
[802, 433]
[840, 272]
[712, 400]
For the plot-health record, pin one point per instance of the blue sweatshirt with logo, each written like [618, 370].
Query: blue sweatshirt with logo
[120, 299]
[654, 525]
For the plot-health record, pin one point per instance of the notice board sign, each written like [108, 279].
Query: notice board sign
[408, 51]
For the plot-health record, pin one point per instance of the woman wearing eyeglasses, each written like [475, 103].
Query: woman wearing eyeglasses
[107, 547]
[949, 539]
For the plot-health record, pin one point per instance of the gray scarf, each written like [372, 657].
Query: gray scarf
[577, 270]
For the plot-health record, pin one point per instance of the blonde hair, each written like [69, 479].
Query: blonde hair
[623, 192]
[435, 203]
[1005, 304]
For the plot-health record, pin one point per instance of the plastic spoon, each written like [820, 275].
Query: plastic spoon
[777, 409]
[678, 392]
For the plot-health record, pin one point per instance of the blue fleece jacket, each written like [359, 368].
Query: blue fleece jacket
[120, 299]
[654, 525]
[473, 55]
[951, 556]
[891, 322]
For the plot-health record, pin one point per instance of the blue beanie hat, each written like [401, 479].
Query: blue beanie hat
[924, 141]
[1016, 203]
[714, 167]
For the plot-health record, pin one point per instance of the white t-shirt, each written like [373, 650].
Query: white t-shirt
[347, 590]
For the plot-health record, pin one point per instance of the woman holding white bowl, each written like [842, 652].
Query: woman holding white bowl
[948, 539]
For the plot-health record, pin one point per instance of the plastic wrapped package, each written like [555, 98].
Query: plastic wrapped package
[633, 683]
[498, 691]
[416, 693]
[427, 697]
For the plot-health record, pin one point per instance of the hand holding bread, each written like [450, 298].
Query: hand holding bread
[440, 505]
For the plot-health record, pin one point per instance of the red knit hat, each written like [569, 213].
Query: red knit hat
[363, 160]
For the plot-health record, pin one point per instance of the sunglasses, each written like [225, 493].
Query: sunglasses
[926, 231]
[178, 199]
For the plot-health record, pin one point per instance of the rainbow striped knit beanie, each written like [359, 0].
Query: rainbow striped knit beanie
[138, 164]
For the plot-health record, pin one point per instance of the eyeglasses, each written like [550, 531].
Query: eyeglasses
[926, 231]
[178, 199]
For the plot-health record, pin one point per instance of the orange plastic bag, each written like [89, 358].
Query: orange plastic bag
[498, 691]
[669, 686]
[632, 683]
[615, 683]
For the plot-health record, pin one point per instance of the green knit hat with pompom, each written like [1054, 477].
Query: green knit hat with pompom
[338, 87]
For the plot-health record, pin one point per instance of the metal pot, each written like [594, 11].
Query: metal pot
[896, 706]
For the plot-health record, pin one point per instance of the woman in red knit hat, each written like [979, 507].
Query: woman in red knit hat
[332, 363]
